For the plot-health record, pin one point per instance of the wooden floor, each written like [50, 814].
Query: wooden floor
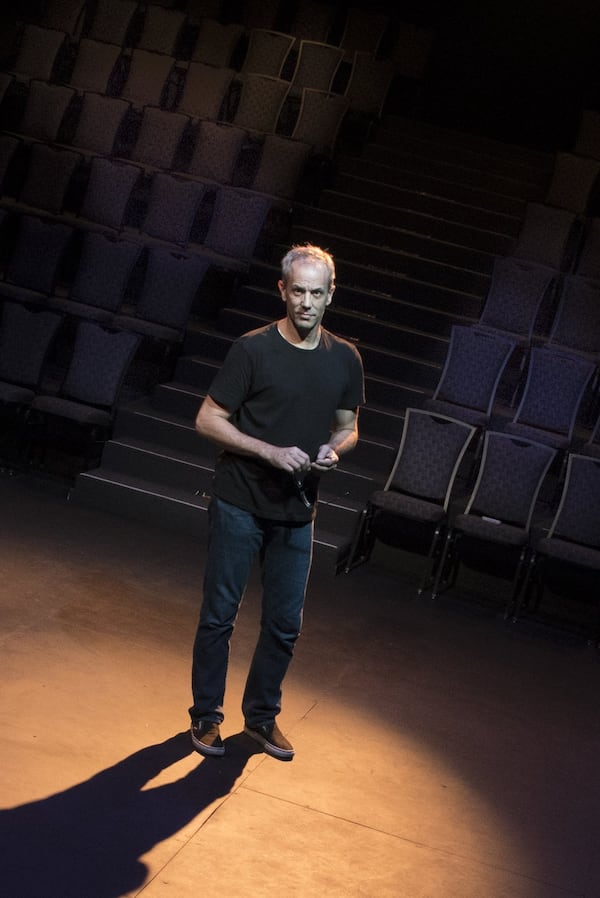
[440, 752]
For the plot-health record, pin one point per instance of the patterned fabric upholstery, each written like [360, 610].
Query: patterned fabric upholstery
[173, 205]
[111, 21]
[588, 263]
[25, 339]
[204, 90]
[592, 446]
[99, 361]
[237, 221]
[260, 104]
[99, 121]
[369, 82]
[159, 137]
[499, 512]
[108, 191]
[8, 148]
[258, 13]
[430, 447]
[312, 20]
[316, 66]
[216, 151]
[64, 15]
[38, 52]
[509, 479]
[147, 77]
[38, 253]
[577, 320]
[104, 269]
[364, 30]
[45, 109]
[472, 371]
[573, 541]
[95, 65]
[514, 298]
[553, 392]
[587, 140]
[161, 30]
[578, 515]
[545, 235]
[572, 553]
[48, 177]
[573, 181]
[98, 366]
[216, 42]
[319, 119]
[170, 285]
[417, 493]
[281, 164]
[500, 533]
[199, 10]
[267, 52]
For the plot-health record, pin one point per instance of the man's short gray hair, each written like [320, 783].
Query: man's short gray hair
[309, 253]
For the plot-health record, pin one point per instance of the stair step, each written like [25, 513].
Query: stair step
[432, 226]
[455, 172]
[380, 309]
[147, 421]
[179, 510]
[352, 326]
[393, 127]
[387, 361]
[537, 170]
[144, 500]
[390, 177]
[176, 430]
[420, 200]
[156, 462]
[382, 391]
[405, 263]
[393, 239]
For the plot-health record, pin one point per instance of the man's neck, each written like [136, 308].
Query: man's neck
[300, 341]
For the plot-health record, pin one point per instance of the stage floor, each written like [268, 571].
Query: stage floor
[440, 752]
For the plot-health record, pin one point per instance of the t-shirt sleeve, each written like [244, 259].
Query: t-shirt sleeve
[354, 395]
[232, 382]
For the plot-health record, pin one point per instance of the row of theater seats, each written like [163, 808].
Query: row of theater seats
[60, 382]
[492, 518]
[81, 314]
[167, 26]
[179, 211]
[527, 301]
[208, 85]
[91, 124]
[149, 289]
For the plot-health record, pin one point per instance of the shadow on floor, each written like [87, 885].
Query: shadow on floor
[86, 842]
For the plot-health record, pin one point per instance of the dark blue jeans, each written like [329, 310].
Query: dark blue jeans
[236, 538]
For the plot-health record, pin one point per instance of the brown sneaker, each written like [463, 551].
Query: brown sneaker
[206, 738]
[272, 740]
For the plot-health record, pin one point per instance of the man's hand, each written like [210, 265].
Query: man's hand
[289, 458]
[327, 458]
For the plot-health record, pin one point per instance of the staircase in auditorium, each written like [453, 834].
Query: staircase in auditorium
[414, 222]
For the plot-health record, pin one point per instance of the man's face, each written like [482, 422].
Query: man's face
[306, 295]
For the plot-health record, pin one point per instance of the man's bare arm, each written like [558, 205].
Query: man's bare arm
[343, 438]
[213, 422]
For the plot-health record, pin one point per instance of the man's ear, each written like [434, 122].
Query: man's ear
[281, 286]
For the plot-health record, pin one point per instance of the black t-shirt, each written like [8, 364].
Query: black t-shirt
[287, 397]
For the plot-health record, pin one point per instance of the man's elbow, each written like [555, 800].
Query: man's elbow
[202, 424]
